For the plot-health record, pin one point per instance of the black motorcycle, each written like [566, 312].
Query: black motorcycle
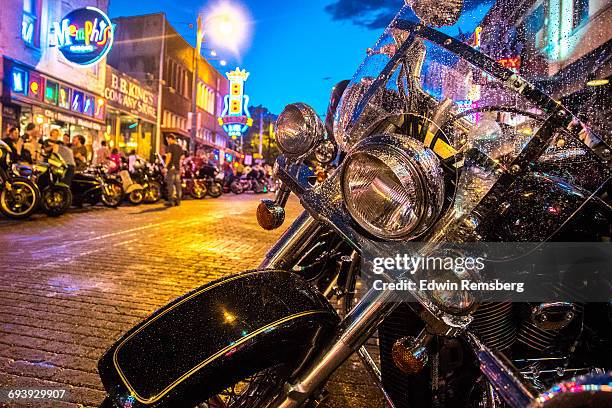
[214, 188]
[19, 196]
[93, 186]
[149, 178]
[418, 172]
[56, 197]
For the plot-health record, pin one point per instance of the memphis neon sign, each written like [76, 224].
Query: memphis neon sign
[84, 36]
[236, 118]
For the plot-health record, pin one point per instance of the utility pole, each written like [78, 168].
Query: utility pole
[194, 85]
[260, 131]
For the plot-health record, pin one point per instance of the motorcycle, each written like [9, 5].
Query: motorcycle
[56, 197]
[192, 186]
[19, 196]
[94, 186]
[145, 175]
[133, 192]
[414, 167]
[249, 182]
[213, 180]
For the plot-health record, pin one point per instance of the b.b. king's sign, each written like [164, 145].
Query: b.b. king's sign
[84, 36]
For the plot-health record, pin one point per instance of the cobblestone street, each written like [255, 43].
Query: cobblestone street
[70, 286]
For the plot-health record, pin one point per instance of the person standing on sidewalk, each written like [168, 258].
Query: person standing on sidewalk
[174, 156]
[65, 153]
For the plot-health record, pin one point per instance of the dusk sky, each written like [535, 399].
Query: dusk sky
[299, 49]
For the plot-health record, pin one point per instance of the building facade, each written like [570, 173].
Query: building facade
[149, 49]
[39, 83]
[131, 114]
[562, 46]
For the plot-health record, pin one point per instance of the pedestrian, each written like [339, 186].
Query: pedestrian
[15, 143]
[114, 161]
[32, 144]
[65, 153]
[174, 156]
[66, 140]
[102, 154]
[80, 152]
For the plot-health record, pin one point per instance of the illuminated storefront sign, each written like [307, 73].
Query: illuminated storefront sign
[51, 92]
[31, 86]
[28, 23]
[77, 101]
[127, 94]
[35, 86]
[65, 96]
[236, 118]
[84, 35]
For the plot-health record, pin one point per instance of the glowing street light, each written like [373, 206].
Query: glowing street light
[226, 25]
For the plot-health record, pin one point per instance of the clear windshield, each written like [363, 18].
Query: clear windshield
[473, 113]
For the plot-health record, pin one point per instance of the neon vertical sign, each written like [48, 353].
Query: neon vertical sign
[236, 118]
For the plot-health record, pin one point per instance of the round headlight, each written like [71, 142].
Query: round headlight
[393, 187]
[298, 128]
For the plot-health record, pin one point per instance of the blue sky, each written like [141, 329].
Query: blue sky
[298, 51]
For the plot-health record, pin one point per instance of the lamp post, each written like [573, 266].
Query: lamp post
[226, 26]
[194, 85]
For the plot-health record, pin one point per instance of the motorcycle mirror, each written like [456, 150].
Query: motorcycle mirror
[435, 12]
[334, 100]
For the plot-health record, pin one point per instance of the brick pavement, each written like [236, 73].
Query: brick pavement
[70, 286]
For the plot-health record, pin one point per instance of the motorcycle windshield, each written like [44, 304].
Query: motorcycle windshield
[479, 118]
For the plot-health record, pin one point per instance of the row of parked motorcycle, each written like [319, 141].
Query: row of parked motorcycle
[25, 189]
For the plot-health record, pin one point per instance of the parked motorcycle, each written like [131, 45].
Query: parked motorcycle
[192, 184]
[247, 183]
[145, 175]
[416, 166]
[214, 185]
[133, 192]
[19, 196]
[94, 186]
[56, 197]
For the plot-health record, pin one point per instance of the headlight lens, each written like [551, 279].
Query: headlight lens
[393, 188]
[298, 128]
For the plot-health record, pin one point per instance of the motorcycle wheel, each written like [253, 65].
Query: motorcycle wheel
[215, 190]
[237, 188]
[253, 391]
[136, 197]
[56, 200]
[112, 194]
[199, 190]
[21, 200]
[153, 192]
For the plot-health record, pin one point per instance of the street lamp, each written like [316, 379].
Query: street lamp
[226, 26]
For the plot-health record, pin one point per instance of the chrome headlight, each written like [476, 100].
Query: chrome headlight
[393, 187]
[298, 128]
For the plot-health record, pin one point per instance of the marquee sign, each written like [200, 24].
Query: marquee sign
[84, 36]
[236, 118]
[126, 93]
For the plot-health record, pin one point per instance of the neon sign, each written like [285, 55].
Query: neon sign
[84, 36]
[27, 29]
[236, 118]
